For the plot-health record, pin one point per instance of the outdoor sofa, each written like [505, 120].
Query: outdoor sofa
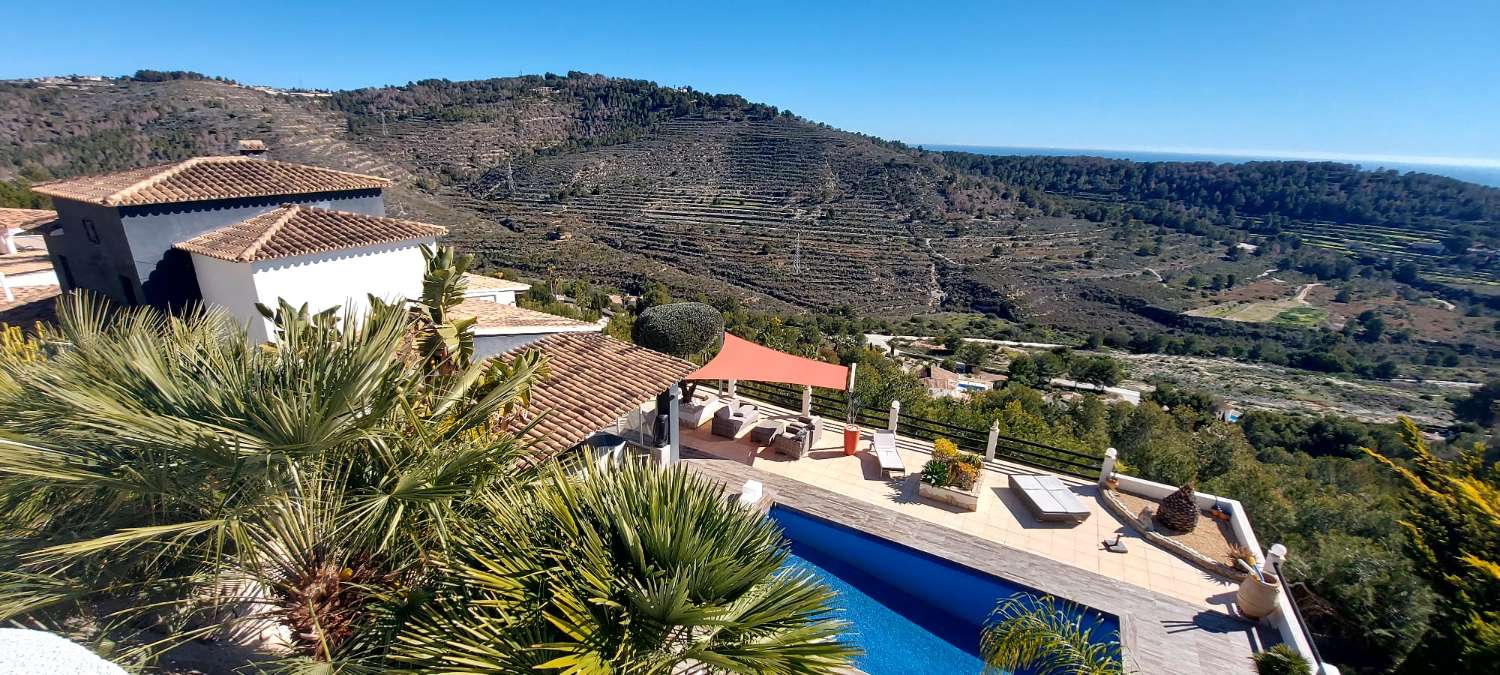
[733, 418]
[699, 411]
[799, 437]
[1049, 499]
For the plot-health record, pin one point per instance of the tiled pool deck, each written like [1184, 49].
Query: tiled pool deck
[1002, 517]
[1161, 635]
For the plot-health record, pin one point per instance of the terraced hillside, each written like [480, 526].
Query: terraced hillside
[781, 208]
[623, 181]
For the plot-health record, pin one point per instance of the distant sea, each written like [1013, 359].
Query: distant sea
[1483, 175]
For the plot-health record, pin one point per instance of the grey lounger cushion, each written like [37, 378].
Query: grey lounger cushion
[1049, 498]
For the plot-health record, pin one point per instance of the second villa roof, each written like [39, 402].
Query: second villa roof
[293, 230]
[206, 178]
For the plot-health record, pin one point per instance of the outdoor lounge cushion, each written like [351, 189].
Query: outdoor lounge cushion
[700, 410]
[1049, 498]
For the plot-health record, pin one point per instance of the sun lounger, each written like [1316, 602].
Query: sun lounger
[884, 445]
[1049, 499]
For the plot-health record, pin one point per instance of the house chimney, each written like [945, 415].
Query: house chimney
[253, 147]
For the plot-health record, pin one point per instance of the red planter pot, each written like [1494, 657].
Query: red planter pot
[851, 439]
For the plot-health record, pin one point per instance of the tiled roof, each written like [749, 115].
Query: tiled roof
[24, 262]
[497, 319]
[25, 218]
[32, 303]
[205, 178]
[594, 380]
[299, 230]
[252, 145]
[480, 282]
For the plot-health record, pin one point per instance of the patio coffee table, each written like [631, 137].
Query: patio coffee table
[765, 431]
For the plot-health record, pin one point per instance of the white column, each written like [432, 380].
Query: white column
[806, 401]
[895, 416]
[989, 445]
[731, 389]
[1108, 467]
[5, 285]
[674, 453]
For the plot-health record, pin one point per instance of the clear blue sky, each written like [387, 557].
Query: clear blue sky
[1366, 77]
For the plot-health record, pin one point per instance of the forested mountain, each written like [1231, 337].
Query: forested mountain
[1306, 190]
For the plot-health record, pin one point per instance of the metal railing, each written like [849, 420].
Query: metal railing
[1019, 450]
[1291, 599]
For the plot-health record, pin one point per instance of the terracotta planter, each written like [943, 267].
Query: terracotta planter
[1257, 598]
[851, 440]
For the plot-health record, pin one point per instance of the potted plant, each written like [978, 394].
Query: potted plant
[851, 426]
[952, 477]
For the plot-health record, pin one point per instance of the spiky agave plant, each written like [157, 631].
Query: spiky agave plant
[626, 571]
[162, 474]
[1046, 637]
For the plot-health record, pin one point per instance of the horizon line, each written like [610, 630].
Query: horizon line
[1307, 155]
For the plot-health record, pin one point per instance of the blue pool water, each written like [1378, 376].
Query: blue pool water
[911, 612]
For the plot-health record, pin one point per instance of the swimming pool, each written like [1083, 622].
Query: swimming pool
[911, 612]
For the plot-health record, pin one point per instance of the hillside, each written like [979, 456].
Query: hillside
[623, 181]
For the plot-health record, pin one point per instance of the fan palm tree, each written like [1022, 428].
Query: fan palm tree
[162, 478]
[1046, 637]
[625, 571]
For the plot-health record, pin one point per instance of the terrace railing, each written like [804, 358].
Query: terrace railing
[987, 442]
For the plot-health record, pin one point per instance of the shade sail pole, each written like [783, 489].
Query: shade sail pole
[849, 396]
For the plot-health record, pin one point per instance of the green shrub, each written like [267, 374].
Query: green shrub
[680, 329]
[935, 472]
[1281, 660]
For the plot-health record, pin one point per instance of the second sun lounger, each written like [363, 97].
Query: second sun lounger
[1049, 499]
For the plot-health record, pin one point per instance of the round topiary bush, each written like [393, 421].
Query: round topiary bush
[680, 329]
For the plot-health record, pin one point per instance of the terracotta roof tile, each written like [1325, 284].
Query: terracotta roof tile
[25, 219]
[496, 319]
[594, 381]
[292, 230]
[480, 282]
[24, 262]
[32, 303]
[205, 178]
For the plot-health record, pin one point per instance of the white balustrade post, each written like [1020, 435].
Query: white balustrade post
[989, 445]
[731, 389]
[895, 416]
[1275, 556]
[806, 401]
[1108, 468]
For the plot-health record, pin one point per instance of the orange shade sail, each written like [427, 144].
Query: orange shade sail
[741, 359]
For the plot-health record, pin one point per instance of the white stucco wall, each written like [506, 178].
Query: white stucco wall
[229, 286]
[334, 279]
